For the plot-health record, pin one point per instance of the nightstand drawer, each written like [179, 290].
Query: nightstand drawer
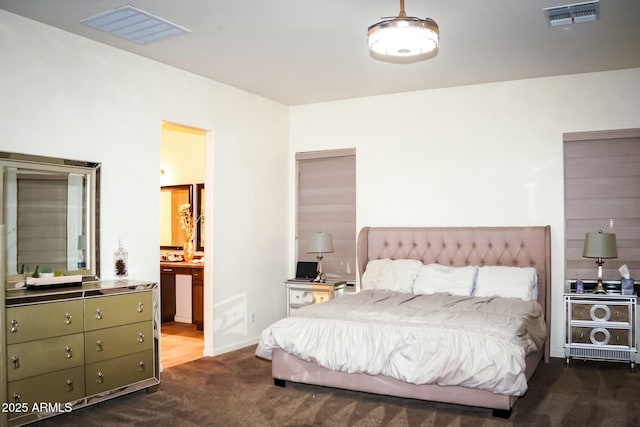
[600, 336]
[300, 297]
[601, 312]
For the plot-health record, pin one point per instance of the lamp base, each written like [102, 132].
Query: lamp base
[599, 289]
[320, 278]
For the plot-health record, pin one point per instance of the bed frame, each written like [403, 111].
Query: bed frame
[456, 246]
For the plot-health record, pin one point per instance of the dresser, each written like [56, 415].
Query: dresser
[600, 327]
[301, 293]
[71, 347]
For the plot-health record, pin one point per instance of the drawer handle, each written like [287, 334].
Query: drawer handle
[16, 397]
[309, 298]
[68, 317]
[69, 385]
[167, 270]
[141, 366]
[69, 352]
[99, 345]
[99, 313]
[140, 337]
[16, 362]
[14, 326]
[140, 307]
[100, 379]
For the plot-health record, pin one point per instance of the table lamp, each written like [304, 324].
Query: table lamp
[320, 243]
[600, 246]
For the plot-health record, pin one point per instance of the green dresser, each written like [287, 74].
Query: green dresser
[72, 347]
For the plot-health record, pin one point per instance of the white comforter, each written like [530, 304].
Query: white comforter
[422, 339]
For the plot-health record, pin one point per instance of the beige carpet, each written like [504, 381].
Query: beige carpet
[236, 389]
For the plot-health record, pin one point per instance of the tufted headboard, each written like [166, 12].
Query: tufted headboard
[460, 246]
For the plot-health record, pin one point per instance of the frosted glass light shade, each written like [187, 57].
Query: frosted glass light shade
[404, 36]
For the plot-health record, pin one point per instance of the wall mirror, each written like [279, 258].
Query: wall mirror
[171, 197]
[50, 210]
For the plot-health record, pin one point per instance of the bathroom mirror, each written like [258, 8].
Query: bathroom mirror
[50, 211]
[171, 197]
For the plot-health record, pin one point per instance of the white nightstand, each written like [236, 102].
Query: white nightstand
[600, 327]
[301, 293]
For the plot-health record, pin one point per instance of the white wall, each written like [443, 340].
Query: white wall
[66, 96]
[476, 155]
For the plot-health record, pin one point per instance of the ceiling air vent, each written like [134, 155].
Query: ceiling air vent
[134, 24]
[572, 13]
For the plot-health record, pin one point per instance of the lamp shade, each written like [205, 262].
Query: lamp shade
[600, 245]
[403, 36]
[320, 242]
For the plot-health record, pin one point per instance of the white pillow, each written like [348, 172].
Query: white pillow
[437, 278]
[395, 275]
[509, 282]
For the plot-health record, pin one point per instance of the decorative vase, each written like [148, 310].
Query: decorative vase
[188, 251]
[120, 262]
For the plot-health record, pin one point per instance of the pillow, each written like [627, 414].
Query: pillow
[509, 282]
[394, 275]
[436, 278]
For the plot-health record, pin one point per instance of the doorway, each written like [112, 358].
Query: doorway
[182, 197]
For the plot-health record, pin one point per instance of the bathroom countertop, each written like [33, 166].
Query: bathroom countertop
[181, 264]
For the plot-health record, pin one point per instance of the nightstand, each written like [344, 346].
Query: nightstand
[301, 293]
[600, 327]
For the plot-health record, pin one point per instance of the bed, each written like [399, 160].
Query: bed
[438, 251]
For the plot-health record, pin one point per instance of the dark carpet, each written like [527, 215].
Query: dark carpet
[236, 389]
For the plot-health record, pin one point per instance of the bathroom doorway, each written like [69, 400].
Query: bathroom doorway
[182, 201]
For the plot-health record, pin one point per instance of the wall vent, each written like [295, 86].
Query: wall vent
[572, 13]
[134, 24]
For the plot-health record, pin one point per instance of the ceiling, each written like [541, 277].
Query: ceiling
[300, 52]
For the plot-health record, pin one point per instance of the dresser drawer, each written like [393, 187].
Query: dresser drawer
[118, 341]
[601, 312]
[46, 320]
[115, 310]
[600, 336]
[55, 387]
[114, 373]
[38, 357]
[299, 297]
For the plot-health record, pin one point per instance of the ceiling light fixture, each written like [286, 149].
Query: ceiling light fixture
[403, 36]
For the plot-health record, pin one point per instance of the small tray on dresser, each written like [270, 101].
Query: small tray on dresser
[54, 282]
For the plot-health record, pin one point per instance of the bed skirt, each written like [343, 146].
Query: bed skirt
[286, 367]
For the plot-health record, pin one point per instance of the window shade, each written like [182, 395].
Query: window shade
[602, 192]
[326, 201]
[42, 236]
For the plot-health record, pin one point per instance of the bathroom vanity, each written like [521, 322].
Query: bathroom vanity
[182, 301]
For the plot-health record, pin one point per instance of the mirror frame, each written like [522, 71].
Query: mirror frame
[68, 166]
[200, 220]
[187, 187]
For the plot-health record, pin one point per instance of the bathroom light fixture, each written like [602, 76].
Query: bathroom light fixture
[600, 245]
[403, 36]
[320, 242]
